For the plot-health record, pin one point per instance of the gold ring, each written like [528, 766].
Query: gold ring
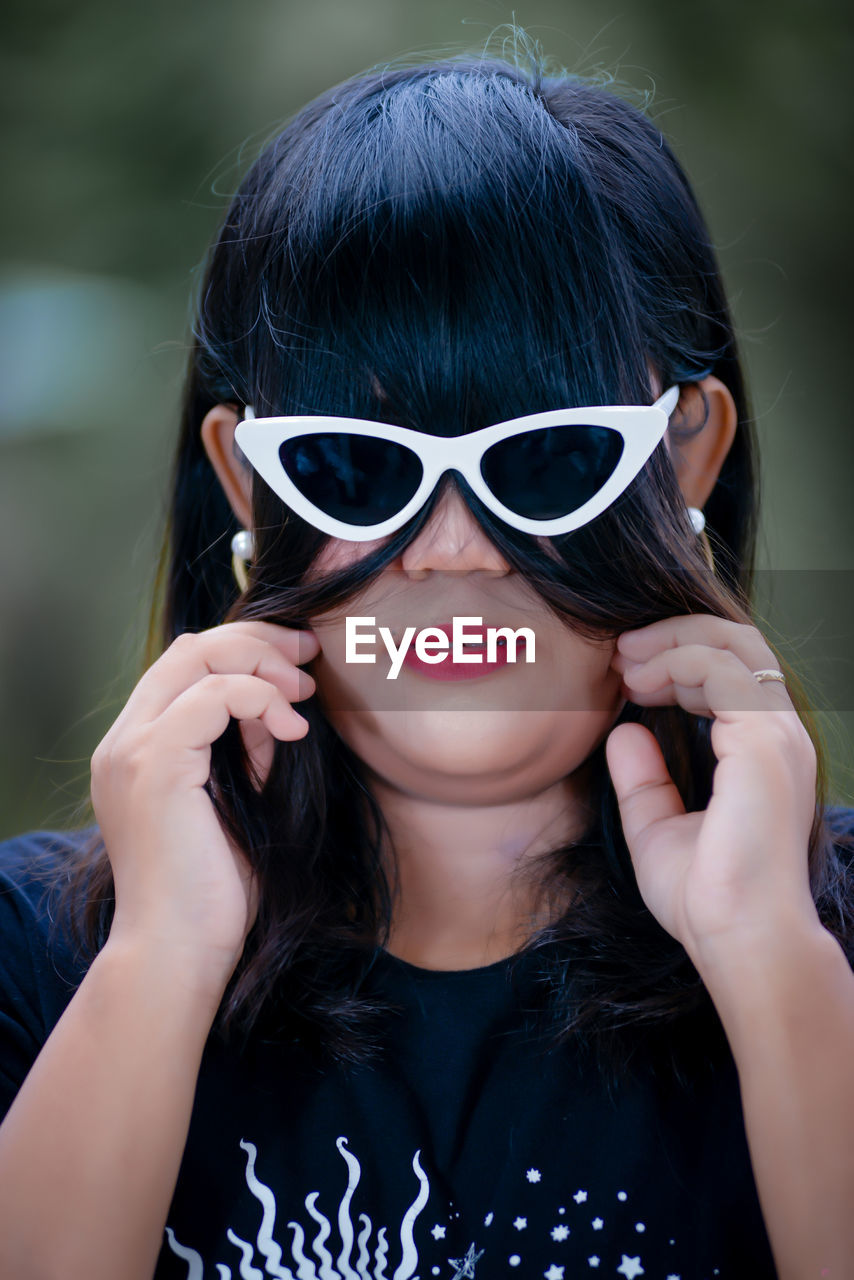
[769, 673]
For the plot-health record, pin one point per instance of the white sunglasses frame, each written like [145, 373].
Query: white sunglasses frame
[642, 427]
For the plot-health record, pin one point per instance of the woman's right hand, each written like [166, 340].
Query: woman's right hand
[181, 883]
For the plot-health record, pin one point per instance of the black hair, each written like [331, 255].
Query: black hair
[444, 245]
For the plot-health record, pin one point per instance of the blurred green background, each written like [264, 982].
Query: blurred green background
[127, 126]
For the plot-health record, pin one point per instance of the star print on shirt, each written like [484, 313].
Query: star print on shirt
[630, 1267]
[598, 1224]
[594, 1261]
[465, 1266]
[554, 1272]
[520, 1223]
[438, 1233]
[560, 1233]
[580, 1197]
[533, 1175]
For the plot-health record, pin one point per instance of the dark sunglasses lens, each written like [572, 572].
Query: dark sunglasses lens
[358, 479]
[553, 471]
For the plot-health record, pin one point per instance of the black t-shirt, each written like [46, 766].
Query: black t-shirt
[469, 1149]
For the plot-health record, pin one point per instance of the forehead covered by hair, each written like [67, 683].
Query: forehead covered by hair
[449, 245]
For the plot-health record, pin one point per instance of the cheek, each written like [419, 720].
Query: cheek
[579, 671]
[338, 553]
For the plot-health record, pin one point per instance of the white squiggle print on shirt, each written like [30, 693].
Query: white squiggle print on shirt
[306, 1269]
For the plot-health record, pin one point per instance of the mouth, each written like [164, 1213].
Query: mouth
[456, 665]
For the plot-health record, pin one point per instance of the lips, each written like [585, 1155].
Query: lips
[447, 669]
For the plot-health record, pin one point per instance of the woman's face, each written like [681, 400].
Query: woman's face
[505, 734]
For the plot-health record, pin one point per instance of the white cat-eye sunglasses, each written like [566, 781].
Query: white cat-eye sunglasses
[546, 473]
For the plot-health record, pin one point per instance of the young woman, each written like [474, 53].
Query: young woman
[541, 972]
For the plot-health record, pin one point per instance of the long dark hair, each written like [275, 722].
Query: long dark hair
[446, 245]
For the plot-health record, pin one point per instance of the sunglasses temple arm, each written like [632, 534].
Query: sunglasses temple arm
[669, 400]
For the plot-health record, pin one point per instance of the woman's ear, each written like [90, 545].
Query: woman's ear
[234, 472]
[708, 407]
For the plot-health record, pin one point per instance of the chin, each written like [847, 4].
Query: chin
[472, 757]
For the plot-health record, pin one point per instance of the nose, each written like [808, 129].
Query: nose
[452, 540]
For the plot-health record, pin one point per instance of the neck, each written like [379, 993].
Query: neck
[468, 888]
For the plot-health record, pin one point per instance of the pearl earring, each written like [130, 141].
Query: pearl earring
[698, 524]
[242, 551]
[698, 520]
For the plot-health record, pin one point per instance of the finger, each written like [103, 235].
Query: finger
[219, 651]
[703, 680]
[199, 715]
[742, 639]
[299, 644]
[645, 791]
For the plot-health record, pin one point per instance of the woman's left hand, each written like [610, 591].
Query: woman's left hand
[738, 870]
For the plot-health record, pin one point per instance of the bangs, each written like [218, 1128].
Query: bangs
[455, 264]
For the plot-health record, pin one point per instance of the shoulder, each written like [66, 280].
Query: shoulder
[839, 820]
[840, 817]
[33, 869]
[40, 964]
[835, 899]
[37, 861]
